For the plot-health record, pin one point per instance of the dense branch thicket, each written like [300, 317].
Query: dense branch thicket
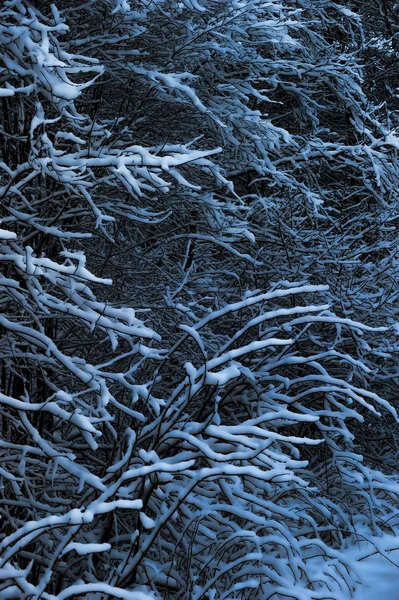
[198, 298]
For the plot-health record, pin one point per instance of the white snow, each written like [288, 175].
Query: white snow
[377, 567]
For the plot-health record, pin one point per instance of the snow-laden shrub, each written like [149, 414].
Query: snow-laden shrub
[202, 446]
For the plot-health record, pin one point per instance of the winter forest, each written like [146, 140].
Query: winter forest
[199, 299]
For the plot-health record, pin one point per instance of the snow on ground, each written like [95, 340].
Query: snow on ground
[377, 565]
